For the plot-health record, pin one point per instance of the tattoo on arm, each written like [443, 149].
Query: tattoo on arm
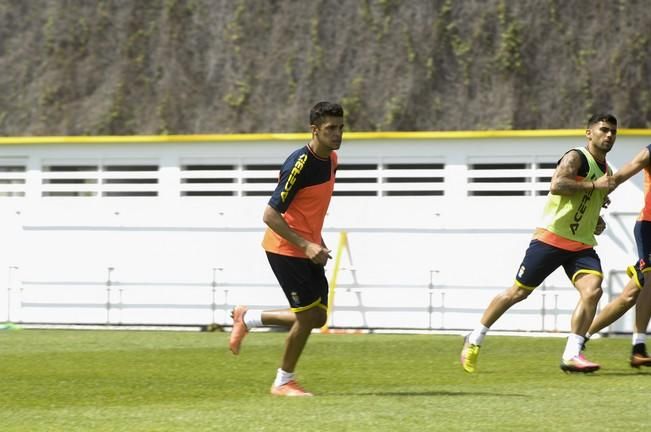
[564, 179]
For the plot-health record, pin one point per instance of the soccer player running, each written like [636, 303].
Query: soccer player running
[579, 187]
[638, 290]
[295, 247]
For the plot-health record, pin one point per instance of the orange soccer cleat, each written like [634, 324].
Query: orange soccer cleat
[291, 388]
[639, 357]
[239, 330]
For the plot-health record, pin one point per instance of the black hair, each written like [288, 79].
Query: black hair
[607, 117]
[321, 110]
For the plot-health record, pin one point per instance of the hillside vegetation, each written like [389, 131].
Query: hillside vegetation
[119, 67]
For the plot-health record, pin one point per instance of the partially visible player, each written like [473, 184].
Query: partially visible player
[578, 189]
[294, 245]
[638, 290]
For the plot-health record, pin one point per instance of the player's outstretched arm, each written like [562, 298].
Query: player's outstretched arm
[628, 170]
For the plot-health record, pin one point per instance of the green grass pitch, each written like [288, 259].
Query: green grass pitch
[82, 380]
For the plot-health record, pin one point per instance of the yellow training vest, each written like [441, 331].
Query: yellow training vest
[575, 217]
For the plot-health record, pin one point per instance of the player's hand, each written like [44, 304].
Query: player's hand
[606, 202]
[606, 182]
[317, 253]
[601, 226]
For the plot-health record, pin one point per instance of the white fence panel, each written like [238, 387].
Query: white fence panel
[170, 233]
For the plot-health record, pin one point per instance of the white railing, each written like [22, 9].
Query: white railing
[390, 305]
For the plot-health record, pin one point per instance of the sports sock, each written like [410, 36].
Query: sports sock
[573, 346]
[283, 377]
[639, 338]
[476, 337]
[253, 318]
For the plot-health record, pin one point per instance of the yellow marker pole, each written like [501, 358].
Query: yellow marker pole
[343, 243]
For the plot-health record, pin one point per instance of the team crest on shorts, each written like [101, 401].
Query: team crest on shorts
[295, 297]
[521, 272]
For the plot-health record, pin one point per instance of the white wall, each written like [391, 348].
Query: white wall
[417, 261]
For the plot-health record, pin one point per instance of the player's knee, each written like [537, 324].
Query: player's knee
[630, 296]
[593, 294]
[321, 319]
[516, 294]
[315, 317]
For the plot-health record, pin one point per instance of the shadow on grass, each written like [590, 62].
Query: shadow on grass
[425, 393]
[632, 373]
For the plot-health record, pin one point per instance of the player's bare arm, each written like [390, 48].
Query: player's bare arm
[274, 220]
[639, 162]
[564, 180]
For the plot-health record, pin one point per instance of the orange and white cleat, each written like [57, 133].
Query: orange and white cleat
[239, 330]
[291, 389]
[579, 364]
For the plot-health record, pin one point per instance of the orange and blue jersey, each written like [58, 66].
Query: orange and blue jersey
[642, 233]
[302, 196]
[645, 213]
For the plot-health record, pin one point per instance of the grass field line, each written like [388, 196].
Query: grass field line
[332, 330]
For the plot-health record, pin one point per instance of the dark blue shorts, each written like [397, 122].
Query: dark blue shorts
[304, 283]
[642, 232]
[542, 259]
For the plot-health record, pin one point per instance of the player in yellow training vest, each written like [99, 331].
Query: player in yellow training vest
[578, 190]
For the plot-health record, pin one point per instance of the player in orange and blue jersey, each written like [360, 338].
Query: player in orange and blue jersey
[578, 190]
[294, 245]
[638, 290]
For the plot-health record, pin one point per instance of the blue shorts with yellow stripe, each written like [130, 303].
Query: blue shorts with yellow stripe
[303, 282]
[642, 232]
[541, 259]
